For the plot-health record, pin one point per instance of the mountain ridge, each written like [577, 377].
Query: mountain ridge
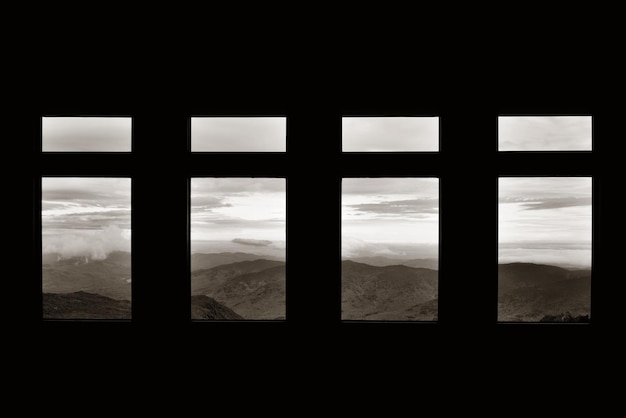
[254, 289]
[532, 292]
[203, 261]
[395, 292]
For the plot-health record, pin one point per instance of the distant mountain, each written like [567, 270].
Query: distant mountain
[530, 292]
[204, 307]
[395, 292]
[254, 289]
[110, 277]
[207, 281]
[380, 261]
[201, 261]
[84, 305]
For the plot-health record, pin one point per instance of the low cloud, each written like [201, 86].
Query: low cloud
[253, 242]
[96, 244]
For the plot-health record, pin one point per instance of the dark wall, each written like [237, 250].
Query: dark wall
[467, 339]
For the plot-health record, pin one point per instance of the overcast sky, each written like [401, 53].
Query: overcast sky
[248, 214]
[546, 217]
[390, 134]
[238, 134]
[388, 210]
[544, 133]
[86, 134]
[85, 216]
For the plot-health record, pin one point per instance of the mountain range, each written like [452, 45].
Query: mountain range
[253, 289]
[394, 292]
[381, 261]
[202, 261]
[110, 277]
[530, 292]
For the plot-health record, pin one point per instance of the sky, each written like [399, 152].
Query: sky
[388, 216]
[544, 133]
[390, 134]
[86, 134]
[238, 134]
[238, 214]
[545, 219]
[85, 216]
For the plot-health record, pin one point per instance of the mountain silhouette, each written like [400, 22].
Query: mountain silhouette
[84, 305]
[530, 292]
[381, 261]
[201, 261]
[204, 307]
[394, 292]
[254, 289]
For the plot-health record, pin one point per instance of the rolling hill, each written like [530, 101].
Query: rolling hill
[84, 305]
[204, 307]
[254, 289]
[530, 292]
[201, 261]
[110, 277]
[380, 261]
[395, 292]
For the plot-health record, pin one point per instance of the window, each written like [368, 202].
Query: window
[238, 248]
[390, 248]
[86, 269]
[545, 226]
[390, 225]
[238, 134]
[85, 222]
[86, 134]
[544, 249]
[390, 134]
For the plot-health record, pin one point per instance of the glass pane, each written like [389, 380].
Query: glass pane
[86, 134]
[86, 244]
[238, 231]
[235, 134]
[544, 241]
[544, 133]
[390, 134]
[390, 249]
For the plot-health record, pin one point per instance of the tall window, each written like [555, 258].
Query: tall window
[390, 226]
[238, 248]
[86, 225]
[545, 227]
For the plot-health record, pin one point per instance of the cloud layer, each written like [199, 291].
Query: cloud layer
[389, 134]
[86, 134]
[97, 244]
[545, 133]
[236, 134]
[85, 216]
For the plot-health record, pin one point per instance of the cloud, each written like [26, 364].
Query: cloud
[253, 242]
[205, 202]
[111, 192]
[549, 203]
[86, 220]
[421, 187]
[399, 207]
[95, 244]
[221, 187]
